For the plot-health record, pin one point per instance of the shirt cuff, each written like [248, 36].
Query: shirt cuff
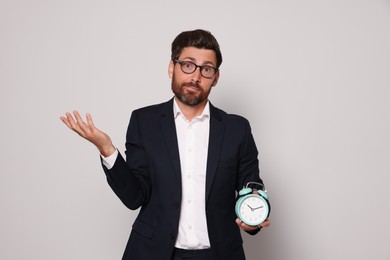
[110, 160]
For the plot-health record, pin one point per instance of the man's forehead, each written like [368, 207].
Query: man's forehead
[199, 55]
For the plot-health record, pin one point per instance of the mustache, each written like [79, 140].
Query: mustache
[191, 84]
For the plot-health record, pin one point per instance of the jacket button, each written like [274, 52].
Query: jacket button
[172, 236]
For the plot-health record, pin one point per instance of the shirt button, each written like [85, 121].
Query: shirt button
[189, 227]
[189, 201]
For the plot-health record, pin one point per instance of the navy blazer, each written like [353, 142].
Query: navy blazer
[150, 178]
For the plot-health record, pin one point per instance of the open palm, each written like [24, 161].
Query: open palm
[88, 131]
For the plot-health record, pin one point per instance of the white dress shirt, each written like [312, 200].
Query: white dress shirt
[193, 140]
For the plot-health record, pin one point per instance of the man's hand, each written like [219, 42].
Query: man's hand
[246, 227]
[89, 132]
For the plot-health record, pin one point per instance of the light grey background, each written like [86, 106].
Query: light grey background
[311, 76]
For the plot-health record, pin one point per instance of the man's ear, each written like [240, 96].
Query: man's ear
[216, 78]
[171, 67]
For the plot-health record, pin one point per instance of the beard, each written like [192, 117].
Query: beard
[189, 97]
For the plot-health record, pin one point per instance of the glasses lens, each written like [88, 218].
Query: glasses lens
[188, 66]
[207, 71]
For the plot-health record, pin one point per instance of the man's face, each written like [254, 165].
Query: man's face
[193, 89]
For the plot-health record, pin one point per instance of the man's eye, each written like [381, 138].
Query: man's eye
[188, 64]
[207, 69]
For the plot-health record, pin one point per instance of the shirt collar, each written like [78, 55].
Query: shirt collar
[177, 111]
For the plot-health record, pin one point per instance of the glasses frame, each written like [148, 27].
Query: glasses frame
[196, 66]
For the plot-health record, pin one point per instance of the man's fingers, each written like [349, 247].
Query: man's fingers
[72, 124]
[81, 124]
[90, 122]
[79, 121]
[244, 226]
[266, 223]
[71, 121]
[87, 129]
[65, 120]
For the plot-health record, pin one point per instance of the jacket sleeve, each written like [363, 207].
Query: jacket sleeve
[130, 179]
[248, 167]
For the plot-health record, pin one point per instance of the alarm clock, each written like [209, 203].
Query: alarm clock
[253, 208]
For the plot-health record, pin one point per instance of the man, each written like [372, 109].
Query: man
[185, 160]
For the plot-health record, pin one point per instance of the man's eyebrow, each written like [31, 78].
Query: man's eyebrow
[194, 60]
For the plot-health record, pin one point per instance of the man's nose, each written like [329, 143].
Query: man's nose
[197, 75]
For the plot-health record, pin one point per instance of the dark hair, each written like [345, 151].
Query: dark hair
[198, 38]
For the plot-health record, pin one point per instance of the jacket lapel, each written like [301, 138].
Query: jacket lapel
[169, 131]
[215, 144]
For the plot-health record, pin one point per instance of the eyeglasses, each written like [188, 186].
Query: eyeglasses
[189, 67]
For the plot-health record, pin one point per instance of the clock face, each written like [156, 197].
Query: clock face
[253, 210]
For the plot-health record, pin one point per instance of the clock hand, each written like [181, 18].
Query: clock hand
[250, 207]
[257, 208]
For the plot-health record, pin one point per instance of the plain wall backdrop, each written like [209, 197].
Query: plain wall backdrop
[312, 77]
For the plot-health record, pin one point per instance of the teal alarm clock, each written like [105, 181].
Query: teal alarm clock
[253, 208]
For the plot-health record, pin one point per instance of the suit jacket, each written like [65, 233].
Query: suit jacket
[150, 178]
